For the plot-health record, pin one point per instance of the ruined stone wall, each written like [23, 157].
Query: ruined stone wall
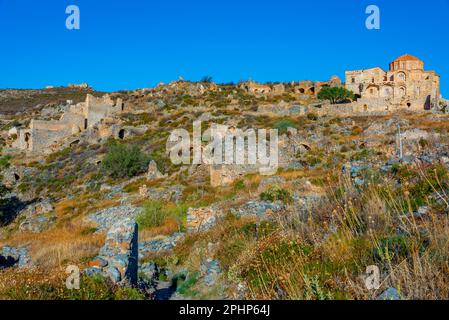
[45, 134]
[97, 109]
[75, 120]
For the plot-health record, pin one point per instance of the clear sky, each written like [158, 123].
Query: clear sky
[138, 43]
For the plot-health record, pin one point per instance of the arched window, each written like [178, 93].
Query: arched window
[401, 76]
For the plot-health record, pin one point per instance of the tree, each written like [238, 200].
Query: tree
[207, 79]
[125, 161]
[335, 94]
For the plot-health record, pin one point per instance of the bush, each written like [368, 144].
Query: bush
[283, 125]
[124, 161]
[4, 162]
[206, 79]
[239, 185]
[276, 193]
[154, 214]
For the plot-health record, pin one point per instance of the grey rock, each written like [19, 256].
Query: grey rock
[211, 271]
[159, 245]
[113, 274]
[390, 294]
[258, 208]
[171, 193]
[106, 218]
[90, 272]
[14, 257]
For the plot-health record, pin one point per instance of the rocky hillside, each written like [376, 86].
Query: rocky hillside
[139, 226]
[14, 102]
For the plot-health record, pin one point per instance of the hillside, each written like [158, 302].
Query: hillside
[347, 195]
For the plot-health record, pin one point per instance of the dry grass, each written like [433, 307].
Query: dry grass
[57, 247]
[168, 227]
[325, 255]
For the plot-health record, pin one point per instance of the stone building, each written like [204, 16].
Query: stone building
[306, 88]
[45, 136]
[255, 88]
[405, 86]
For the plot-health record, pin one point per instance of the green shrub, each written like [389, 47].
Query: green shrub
[185, 287]
[423, 143]
[124, 161]
[314, 290]
[154, 214]
[59, 155]
[91, 288]
[239, 185]
[276, 193]
[4, 162]
[128, 294]
[283, 125]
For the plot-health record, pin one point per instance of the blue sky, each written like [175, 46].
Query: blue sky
[138, 43]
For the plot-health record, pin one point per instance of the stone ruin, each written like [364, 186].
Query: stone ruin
[45, 136]
[304, 89]
[79, 86]
[118, 258]
[290, 145]
[181, 86]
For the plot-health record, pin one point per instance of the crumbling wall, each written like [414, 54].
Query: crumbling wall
[44, 136]
[119, 258]
[97, 109]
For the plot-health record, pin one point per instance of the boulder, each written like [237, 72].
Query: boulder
[153, 172]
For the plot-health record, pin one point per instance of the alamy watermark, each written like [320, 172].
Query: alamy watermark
[225, 146]
[372, 278]
[72, 282]
[372, 22]
[73, 21]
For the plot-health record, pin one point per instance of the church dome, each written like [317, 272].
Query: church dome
[406, 62]
[407, 57]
